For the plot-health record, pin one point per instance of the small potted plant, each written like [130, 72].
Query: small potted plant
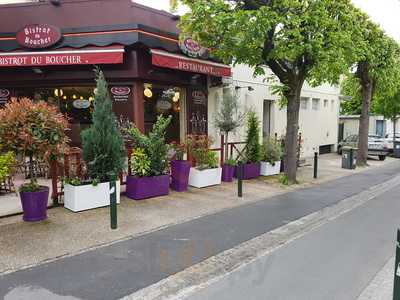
[252, 156]
[35, 130]
[104, 154]
[207, 171]
[271, 157]
[228, 170]
[149, 162]
[180, 168]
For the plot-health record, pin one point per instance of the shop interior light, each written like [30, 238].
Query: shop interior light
[58, 92]
[65, 97]
[91, 98]
[147, 92]
[176, 97]
[74, 97]
[81, 97]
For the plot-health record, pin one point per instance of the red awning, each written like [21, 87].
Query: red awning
[63, 56]
[180, 62]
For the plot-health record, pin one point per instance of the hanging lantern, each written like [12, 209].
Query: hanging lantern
[147, 92]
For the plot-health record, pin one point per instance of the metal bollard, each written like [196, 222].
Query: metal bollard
[113, 204]
[240, 179]
[315, 165]
[396, 284]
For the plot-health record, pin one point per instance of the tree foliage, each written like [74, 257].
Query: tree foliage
[297, 40]
[103, 147]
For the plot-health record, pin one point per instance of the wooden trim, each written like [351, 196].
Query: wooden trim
[138, 105]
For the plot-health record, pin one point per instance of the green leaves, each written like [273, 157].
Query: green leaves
[152, 147]
[253, 147]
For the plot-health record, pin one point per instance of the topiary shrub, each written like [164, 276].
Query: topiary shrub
[253, 147]
[103, 146]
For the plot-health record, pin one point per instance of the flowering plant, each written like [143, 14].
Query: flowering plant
[199, 147]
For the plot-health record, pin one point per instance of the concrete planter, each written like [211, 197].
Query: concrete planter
[268, 169]
[84, 197]
[204, 178]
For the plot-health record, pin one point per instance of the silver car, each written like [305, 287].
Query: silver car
[377, 146]
[389, 140]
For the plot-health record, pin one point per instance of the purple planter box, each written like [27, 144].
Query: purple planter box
[180, 170]
[138, 188]
[250, 170]
[227, 173]
[34, 204]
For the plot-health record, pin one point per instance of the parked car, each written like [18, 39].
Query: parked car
[377, 146]
[389, 140]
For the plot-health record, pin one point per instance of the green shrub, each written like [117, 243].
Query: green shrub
[253, 147]
[103, 146]
[7, 165]
[271, 151]
[153, 145]
[212, 160]
[230, 162]
[140, 163]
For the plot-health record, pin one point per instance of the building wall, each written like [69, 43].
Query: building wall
[318, 126]
[351, 125]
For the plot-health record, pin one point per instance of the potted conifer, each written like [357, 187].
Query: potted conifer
[34, 130]
[104, 153]
[252, 155]
[271, 157]
[149, 162]
[227, 119]
[207, 171]
[180, 168]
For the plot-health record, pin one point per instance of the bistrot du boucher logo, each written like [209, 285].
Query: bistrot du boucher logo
[37, 36]
[192, 48]
[121, 91]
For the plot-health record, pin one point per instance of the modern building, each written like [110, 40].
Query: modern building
[319, 110]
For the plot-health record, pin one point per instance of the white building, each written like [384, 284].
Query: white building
[319, 112]
[378, 125]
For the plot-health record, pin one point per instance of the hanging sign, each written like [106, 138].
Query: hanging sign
[81, 104]
[38, 36]
[120, 93]
[192, 48]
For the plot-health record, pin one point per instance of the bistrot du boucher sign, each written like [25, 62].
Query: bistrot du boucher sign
[38, 36]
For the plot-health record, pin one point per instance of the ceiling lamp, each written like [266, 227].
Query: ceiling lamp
[176, 97]
[65, 97]
[74, 97]
[81, 97]
[58, 92]
[147, 92]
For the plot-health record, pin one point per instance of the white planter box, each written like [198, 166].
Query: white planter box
[84, 197]
[267, 169]
[203, 178]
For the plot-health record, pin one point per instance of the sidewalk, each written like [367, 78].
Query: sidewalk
[122, 268]
[65, 233]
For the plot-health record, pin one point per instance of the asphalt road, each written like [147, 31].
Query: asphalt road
[334, 262]
[125, 267]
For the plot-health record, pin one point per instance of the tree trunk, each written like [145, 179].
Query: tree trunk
[362, 153]
[226, 146]
[292, 131]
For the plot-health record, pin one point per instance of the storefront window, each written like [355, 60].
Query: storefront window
[75, 102]
[166, 101]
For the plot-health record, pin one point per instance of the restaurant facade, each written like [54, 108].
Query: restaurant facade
[48, 51]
